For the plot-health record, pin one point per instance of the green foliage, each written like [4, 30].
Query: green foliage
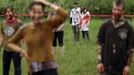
[20, 6]
[129, 4]
[95, 6]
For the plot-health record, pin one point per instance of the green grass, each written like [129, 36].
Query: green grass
[80, 57]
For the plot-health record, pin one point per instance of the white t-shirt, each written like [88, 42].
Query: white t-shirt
[75, 15]
[85, 21]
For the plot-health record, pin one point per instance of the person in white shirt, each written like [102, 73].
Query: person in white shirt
[75, 20]
[84, 23]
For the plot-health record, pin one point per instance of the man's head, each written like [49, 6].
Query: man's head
[83, 9]
[75, 4]
[118, 9]
[9, 12]
[36, 11]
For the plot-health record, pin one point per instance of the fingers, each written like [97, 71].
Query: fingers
[126, 71]
[24, 54]
[100, 67]
[27, 57]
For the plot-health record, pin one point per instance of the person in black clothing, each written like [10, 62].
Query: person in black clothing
[115, 39]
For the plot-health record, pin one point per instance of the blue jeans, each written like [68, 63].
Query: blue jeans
[85, 35]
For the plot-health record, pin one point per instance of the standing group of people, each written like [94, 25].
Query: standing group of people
[80, 20]
[115, 39]
[39, 53]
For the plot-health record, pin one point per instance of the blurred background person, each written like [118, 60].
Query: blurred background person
[84, 23]
[75, 20]
[8, 28]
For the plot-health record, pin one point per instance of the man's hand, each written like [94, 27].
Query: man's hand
[126, 70]
[100, 67]
[1, 41]
[23, 53]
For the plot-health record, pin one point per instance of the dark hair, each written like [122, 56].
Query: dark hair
[37, 3]
[8, 7]
[75, 3]
[83, 9]
[119, 2]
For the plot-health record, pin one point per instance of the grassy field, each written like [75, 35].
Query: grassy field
[80, 57]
